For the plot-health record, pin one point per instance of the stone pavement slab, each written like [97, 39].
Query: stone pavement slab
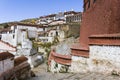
[42, 74]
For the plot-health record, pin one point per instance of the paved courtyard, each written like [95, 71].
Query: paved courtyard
[42, 74]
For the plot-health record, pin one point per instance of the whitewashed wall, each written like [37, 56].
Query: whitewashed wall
[5, 47]
[32, 31]
[24, 36]
[23, 51]
[61, 35]
[10, 38]
[1, 67]
[53, 67]
[57, 22]
[18, 34]
[79, 64]
[104, 59]
[56, 67]
[8, 64]
[27, 44]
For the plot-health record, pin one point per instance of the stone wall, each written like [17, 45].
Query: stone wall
[72, 30]
[79, 64]
[56, 67]
[104, 59]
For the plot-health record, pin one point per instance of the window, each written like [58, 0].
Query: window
[51, 34]
[13, 36]
[56, 33]
[94, 1]
[89, 4]
[84, 7]
[43, 29]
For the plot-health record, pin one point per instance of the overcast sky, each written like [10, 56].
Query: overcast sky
[15, 10]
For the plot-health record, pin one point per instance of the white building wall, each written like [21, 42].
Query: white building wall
[5, 47]
[10, 38]
[32, 34]
[27, 44]
[23, 51]
[53, 67]
[104, 59]
[24, 36]
[56, 67]
[8, 64]
[23, 39]
[1, 67]
[61, 35]
[32, 31]
[18, 36]
[59, 16]
[79, 64]
[57, 22]
[69, 15]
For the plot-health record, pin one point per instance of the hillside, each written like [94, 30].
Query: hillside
[30, 21]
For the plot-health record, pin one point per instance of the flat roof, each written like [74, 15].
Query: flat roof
[20, 60]
[5, 55]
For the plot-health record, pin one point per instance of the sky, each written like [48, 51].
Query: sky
[16, 10]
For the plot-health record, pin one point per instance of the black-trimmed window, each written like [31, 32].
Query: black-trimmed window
[84, 7]
[13, 36]
[88, 3]
[94, 1]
